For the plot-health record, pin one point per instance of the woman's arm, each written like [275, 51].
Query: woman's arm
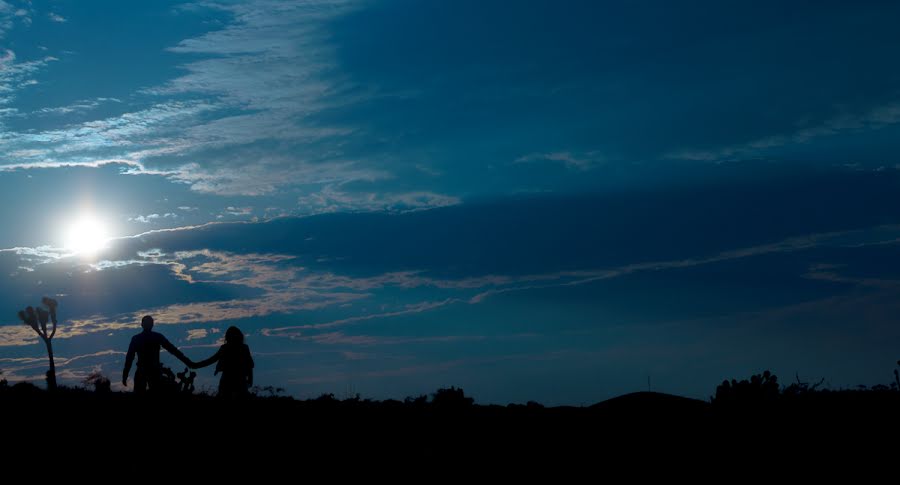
[209, 361]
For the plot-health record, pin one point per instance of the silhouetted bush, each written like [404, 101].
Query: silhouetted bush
[267, 391]
[98, 381]
[451, 398]
[326, 399]
[760, 389]
[800, 388]
[186, 381]
[420, 400]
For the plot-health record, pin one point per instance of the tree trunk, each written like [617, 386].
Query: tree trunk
[51, 374]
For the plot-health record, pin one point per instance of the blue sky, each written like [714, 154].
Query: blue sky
[534, 200]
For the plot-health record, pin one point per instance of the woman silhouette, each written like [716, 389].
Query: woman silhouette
[235, 364]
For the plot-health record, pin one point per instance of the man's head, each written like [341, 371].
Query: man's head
[147, 323]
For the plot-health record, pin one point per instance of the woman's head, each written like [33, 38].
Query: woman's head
[234, 336]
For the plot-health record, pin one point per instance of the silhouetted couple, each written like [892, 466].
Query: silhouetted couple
[232, 359]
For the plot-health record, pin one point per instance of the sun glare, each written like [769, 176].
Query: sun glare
[86, 235]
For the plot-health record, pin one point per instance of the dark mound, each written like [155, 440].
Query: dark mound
[651, 404]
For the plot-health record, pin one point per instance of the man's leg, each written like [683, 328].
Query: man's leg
[140, 382]
[153, 382]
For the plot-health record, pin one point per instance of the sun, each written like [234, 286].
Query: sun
[86, 235]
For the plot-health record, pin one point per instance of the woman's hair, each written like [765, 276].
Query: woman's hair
[234, 336]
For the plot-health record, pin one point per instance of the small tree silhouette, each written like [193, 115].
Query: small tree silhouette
[186, 381]
[760, 389]
[37, 318]
[100, 382]
[800, 387]
[451, 398]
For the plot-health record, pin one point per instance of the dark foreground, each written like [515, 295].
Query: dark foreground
[278, 430]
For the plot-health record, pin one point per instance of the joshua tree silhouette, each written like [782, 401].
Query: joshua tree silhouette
[186, 381]
[36, 318]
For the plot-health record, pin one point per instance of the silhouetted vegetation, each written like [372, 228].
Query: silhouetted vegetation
[98, 381]
[37, 319]
[451, 398]
[438, 422]
[760, 389]
[186, 381]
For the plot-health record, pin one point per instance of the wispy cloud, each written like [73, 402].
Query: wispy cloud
[261, 80]
[332, 199]
[260, 77]
[146, 219]
[16, 75]
[581, 162]
[282, 285]
[872, 119]
[78, 106]
[197, 334]
[7, 15]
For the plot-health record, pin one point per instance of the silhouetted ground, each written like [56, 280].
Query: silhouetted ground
[645, 424]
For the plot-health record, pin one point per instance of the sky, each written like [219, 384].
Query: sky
[536, 200]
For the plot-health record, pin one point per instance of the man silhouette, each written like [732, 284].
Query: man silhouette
[146, 344]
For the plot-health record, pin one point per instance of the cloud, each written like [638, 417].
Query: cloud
[82, 145]
[261, 80]
[68, 368]
[16, 75]
[7, 12]
[332, 199]
[197, 334]
[76, 107]
[54, 17]
[153, 217]
[267, 174]
[223, 281]
[238, 211]
[273, 65]
[580, 162]
[872, 119]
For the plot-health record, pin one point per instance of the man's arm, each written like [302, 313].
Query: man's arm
[211, 360]
[129, 358]
[177, 353]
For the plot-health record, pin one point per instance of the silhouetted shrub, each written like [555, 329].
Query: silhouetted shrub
[451, 398]
[269, 391]
[186, 381]
[800, 388]
[98, 381]
[326, 399]
[418, 401]
[759, 389]
[25, 389]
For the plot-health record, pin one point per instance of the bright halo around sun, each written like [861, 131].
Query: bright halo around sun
[86, 235]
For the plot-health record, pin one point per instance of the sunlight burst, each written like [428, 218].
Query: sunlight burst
[86, 235]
